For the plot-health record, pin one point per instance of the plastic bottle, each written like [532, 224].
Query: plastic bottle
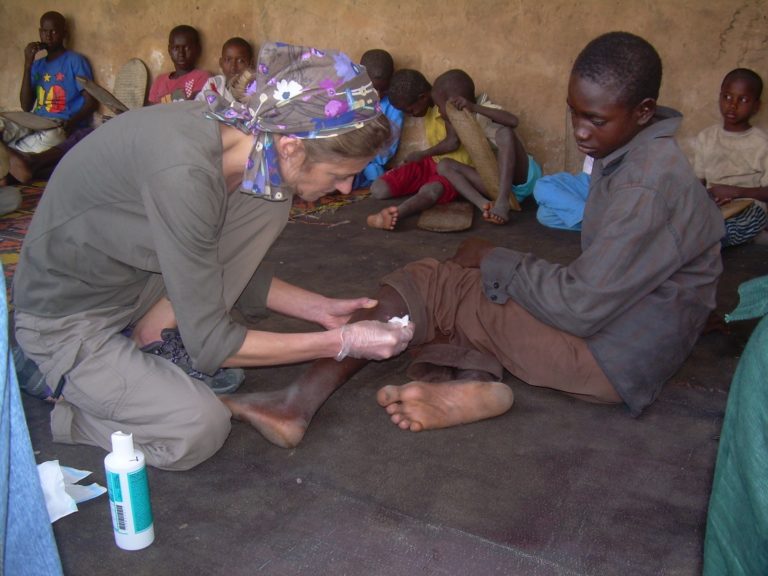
[129, 494]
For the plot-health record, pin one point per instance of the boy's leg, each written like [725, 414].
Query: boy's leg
[466, 180]
[386, 218]
[534, 352]
[282, 416]
[513, 169]
[421, 176]
[426, 197]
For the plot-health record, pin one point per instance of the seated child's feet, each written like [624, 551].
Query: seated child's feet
[386, 219]
[495, 214]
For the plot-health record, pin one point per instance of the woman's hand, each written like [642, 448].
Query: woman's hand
[374, 340]
[338, 311]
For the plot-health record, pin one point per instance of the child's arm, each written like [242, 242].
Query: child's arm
[27, 92]
[85, 112]
[723, 193]
[448, 144]
[496, 114]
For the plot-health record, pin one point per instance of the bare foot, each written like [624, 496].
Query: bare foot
[420, 406]
[270, 414]
[495, 214]
[386, 219]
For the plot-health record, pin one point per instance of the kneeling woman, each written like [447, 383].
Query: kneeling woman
[159, 221]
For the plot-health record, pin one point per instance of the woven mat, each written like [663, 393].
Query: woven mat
[13, 228]
[315, 212]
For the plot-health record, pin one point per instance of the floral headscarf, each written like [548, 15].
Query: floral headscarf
[301, 92]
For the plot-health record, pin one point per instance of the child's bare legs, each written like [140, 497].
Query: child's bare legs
[513, 169]
[282, 416]
[25, 166]
[466, 180]
[387, 218]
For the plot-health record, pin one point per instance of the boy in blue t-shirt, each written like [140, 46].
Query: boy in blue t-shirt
[49, 88]
[380, 67]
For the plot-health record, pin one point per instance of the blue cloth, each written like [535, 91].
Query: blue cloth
[522, 191]
[736, 541]
[27, 546]
[57, 93]
[378, 165]
[561, 198]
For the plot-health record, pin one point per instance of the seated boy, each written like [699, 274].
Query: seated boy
[185, 81]
[518, 171]
[610, 327]
[236, 56]
[49, 88]
[732, 158]
[418, 177]
[380, 67]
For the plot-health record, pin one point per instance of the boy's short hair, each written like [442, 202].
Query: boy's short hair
[378, 63]
[190, 31]
[750, 76]
[242, 43]
[624, 63]
[406, 87]
[455, 83]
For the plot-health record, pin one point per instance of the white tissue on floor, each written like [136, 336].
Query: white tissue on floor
[61, 491]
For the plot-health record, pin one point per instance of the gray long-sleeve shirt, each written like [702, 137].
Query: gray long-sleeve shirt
[645, 282]
[145, 195]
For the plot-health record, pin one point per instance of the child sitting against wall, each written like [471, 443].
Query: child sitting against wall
[49, 89]
[518, 171]
[732, 158]
[236, 56]
[380, 67]
[418, 176]
[185, 81]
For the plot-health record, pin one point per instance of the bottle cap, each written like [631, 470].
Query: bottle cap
[122, 445]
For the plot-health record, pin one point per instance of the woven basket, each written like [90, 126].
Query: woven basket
[474, 140]
[102, 95]
[451, 217]
[31, 121]
[131, 84]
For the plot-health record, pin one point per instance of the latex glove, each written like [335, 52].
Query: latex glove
[374, 340]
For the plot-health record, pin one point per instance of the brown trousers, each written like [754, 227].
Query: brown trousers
[446, 302]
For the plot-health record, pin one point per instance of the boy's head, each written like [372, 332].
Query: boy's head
[53, 31]
[740, 95]
[451, 84]
[410, 92]
[184, 47]
[380, 67]
[612, 92]
[236, 56]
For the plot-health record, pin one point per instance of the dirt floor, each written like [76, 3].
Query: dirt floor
[555, 486]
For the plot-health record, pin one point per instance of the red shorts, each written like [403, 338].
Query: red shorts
[406, 180]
